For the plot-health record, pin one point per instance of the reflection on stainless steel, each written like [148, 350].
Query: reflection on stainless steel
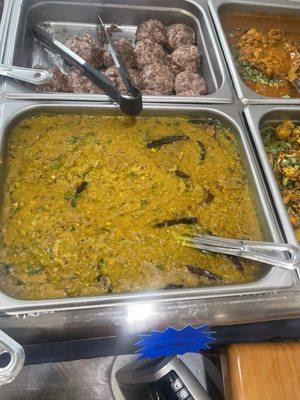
[257, 117]
[244, 93]
[112, 320]
[273, 279]
[5, 14]
[22, 51]
[1, 8]
[139, 312]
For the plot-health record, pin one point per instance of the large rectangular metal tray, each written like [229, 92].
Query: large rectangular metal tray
[257, 117]
[273, 279]
[244, 93]
[77, 16]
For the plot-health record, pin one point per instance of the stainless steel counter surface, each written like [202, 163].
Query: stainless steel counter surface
[73, 380]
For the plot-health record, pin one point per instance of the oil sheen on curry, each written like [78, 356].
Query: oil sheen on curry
[92, 205]
[266, 49]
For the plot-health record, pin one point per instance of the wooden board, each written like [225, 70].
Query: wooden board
[264, 371]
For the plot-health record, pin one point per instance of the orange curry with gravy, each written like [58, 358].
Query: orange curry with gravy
[266, 49]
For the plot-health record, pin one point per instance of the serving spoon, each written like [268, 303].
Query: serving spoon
[280, 255]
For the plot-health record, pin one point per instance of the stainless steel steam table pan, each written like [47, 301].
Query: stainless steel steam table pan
[285, 7]
[257, 117]
[70, 17]
[5, 12]
[273, 279]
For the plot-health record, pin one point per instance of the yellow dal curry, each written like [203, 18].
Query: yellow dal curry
[93, 204]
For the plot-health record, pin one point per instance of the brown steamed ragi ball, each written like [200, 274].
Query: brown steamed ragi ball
[113, 74]
[87, 48]
[185, 58]
[124, 49]
[111, 30]
[136, 78]
[147, 52]
[158, 79]
[180, 35]
[79, 83]
[58, 83]
[152, 30]
[188, 83]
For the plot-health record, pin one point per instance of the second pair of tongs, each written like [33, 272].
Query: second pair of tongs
[130, 105]
[276, 254]
[29, 75]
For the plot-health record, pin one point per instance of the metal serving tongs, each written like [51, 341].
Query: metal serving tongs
[276, 254]
[29, 75]
[130, 105]
[132, 89]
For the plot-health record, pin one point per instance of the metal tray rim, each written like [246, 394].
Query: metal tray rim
[5, 19]
[285, 278]
[244, 93]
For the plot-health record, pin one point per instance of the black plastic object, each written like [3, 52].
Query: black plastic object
[130, 105]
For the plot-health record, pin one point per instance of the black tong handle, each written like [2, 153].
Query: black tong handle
[129, 105]
[132, 89]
